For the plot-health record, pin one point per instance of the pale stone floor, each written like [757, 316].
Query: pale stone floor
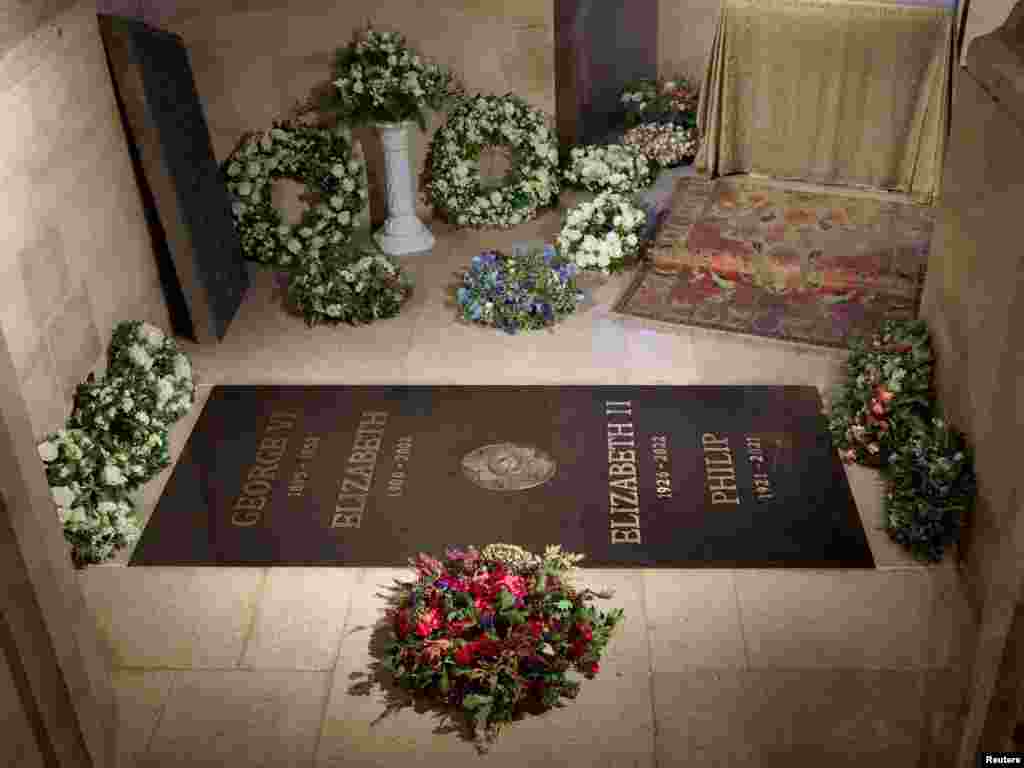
[262, 666]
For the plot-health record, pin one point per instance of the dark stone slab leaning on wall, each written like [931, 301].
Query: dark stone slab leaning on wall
[198, 251]
[600, 47]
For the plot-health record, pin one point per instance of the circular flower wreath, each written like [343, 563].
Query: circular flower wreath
[612, 168]
[452, 180]
[317, 157]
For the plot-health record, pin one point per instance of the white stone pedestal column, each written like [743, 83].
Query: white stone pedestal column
[403, 232]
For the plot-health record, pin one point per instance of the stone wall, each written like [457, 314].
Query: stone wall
[974, 304]
[686, 31]
[78, 256]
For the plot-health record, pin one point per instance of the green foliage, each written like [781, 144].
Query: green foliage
[931, 490]
[349, 285]
[116, 439]
[885, 415]
[886, 394]
[665, 100]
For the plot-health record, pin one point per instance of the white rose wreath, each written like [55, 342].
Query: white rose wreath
[317, 157]
[452, 178]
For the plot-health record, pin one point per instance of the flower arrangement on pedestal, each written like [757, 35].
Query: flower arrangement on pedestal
[320, 159]
[603, 233]
[530, 289]
[885, 415]
[487, 630]
[116, 439]
[663, 144]
[379, 79]
[452, 180]
[350, 286]
[665, 100]
[612, 168]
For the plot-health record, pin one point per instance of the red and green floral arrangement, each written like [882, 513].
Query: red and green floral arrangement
[490, 631]
[885, 415]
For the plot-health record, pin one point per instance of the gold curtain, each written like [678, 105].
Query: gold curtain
[829, 91]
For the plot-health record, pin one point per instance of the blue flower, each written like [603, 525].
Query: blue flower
[477, 261]
[549, 253]
[487, 621]
[475, 311]
[462, 295]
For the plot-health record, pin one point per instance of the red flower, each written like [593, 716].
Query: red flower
[465, 655]
[536, 627]
[483, 605]
[428, 622]
[485, 646]
[577, 649]
[594, 668]
[885, 395]
[514, 584]
[877, 408]
[402, 623]
[586, 633]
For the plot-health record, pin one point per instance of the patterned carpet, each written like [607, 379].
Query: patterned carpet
[743, 255]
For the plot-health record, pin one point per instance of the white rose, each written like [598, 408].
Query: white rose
[348, 185]
[164, 390]
[337, 201]
[254, 168]
[353, 166]
[344, 217]
[48, 451]
[76, 516]
[294, 245]
[106, 507]
[338, 170]
[244, 188]
[496, 197]
[112, 475]
[140, 357]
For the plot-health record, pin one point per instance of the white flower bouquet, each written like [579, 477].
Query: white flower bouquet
[144, 352]
[90, 491]
[602, 234]
[379, 79]
[116, 439]
[350, 286]
[613, 168]
[124, 419]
